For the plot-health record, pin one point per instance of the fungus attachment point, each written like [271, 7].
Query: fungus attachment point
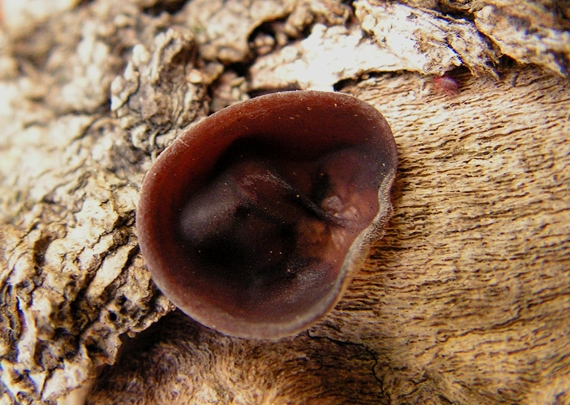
[255, 220]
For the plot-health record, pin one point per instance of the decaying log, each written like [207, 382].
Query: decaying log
[466, 298]
[464, 301]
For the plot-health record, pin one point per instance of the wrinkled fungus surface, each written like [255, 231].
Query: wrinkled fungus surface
[255, 220]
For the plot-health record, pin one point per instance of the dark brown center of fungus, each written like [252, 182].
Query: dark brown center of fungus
[254, 221]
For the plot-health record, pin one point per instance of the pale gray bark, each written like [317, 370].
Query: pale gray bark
[464, 301]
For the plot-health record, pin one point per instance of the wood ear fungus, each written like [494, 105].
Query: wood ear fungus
[255, 220]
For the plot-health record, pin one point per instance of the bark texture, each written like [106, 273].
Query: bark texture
[466, 298]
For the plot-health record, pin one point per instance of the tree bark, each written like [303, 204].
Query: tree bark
[466, 298]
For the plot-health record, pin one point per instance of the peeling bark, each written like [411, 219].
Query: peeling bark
[464, 301]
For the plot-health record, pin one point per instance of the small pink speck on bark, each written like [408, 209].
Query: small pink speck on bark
[447, 85]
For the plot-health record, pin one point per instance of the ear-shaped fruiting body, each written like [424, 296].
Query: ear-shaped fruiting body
[255, 220]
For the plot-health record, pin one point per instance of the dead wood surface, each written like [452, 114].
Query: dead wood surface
[466, 298]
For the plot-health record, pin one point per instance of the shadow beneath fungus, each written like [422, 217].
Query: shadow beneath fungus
[178, 361]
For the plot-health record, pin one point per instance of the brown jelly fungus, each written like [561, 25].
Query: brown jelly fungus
[255, 220]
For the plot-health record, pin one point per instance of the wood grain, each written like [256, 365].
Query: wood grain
[464, 301]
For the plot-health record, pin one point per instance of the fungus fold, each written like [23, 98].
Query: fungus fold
[255, 220]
